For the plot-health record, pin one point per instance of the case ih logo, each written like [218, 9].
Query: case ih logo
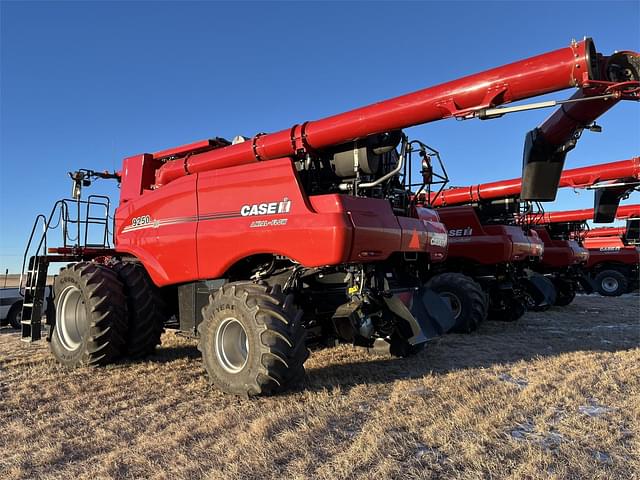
[266, 208]
[461, 232]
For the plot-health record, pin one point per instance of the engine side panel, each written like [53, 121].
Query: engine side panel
[246, 211]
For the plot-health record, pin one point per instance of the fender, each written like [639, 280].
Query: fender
[428, 314]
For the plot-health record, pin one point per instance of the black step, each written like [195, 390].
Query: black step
[34, 299]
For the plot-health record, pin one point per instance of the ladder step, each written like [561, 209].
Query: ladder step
[27, 304]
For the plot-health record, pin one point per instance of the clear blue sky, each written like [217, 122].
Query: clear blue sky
[85, 84]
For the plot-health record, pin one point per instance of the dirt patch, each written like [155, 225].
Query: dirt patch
[554, 395]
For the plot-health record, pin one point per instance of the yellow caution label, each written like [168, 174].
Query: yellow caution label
[353, 290]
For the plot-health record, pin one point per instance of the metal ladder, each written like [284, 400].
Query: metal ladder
[34, 290]
[34, 278]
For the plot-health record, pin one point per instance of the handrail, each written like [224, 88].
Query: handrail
[62, 206]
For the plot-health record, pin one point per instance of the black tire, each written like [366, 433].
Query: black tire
[510, 310]
[611, 283]
[268, 324]
[466, 297]
[15, 315]
[91, 329]
[146, 310]
[565, 292]
[536, 301]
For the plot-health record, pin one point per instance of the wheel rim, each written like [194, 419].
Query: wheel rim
[232, 345]
[71, 318]
[454, 303]
[609, 284]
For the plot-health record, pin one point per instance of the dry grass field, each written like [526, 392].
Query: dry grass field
[555, 395]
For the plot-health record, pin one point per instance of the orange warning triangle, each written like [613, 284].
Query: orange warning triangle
[414, 243]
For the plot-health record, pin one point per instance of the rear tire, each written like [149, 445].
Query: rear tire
[15, 315]
[466, 298]
[611, 283]
[252, 339]
[146, 310]
[91, 316]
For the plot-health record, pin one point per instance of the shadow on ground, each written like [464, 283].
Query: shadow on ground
[591, 324]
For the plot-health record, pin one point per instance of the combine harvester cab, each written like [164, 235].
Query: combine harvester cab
[263, 245]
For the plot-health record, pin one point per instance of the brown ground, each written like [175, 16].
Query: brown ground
[13, 280]
[555, 395]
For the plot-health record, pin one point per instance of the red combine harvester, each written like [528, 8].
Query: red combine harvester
[614, 258]
[263, 244]
[485, 244]
[563, 259]
[491, 241]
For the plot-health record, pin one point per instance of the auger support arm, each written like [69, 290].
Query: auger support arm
[546, 146]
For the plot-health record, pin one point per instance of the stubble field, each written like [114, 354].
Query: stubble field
[554, 395]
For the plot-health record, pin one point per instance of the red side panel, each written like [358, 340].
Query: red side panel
[613, 254]
[468, 239]
[160, 230]
[603, 242]
[561, 253]
[486, 244]
[377, 232]
[246, 212]
[610, 250]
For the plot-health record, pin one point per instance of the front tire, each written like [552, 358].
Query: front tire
[566, 292]
[91, 316]
[252, 339]
[611, 283]
[466, 298]
[509, 310]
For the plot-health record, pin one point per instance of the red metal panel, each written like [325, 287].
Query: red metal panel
[560, 253]
[486, 244]
[229, 230]
[183, 149]
[612, 252]
[160, 230]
